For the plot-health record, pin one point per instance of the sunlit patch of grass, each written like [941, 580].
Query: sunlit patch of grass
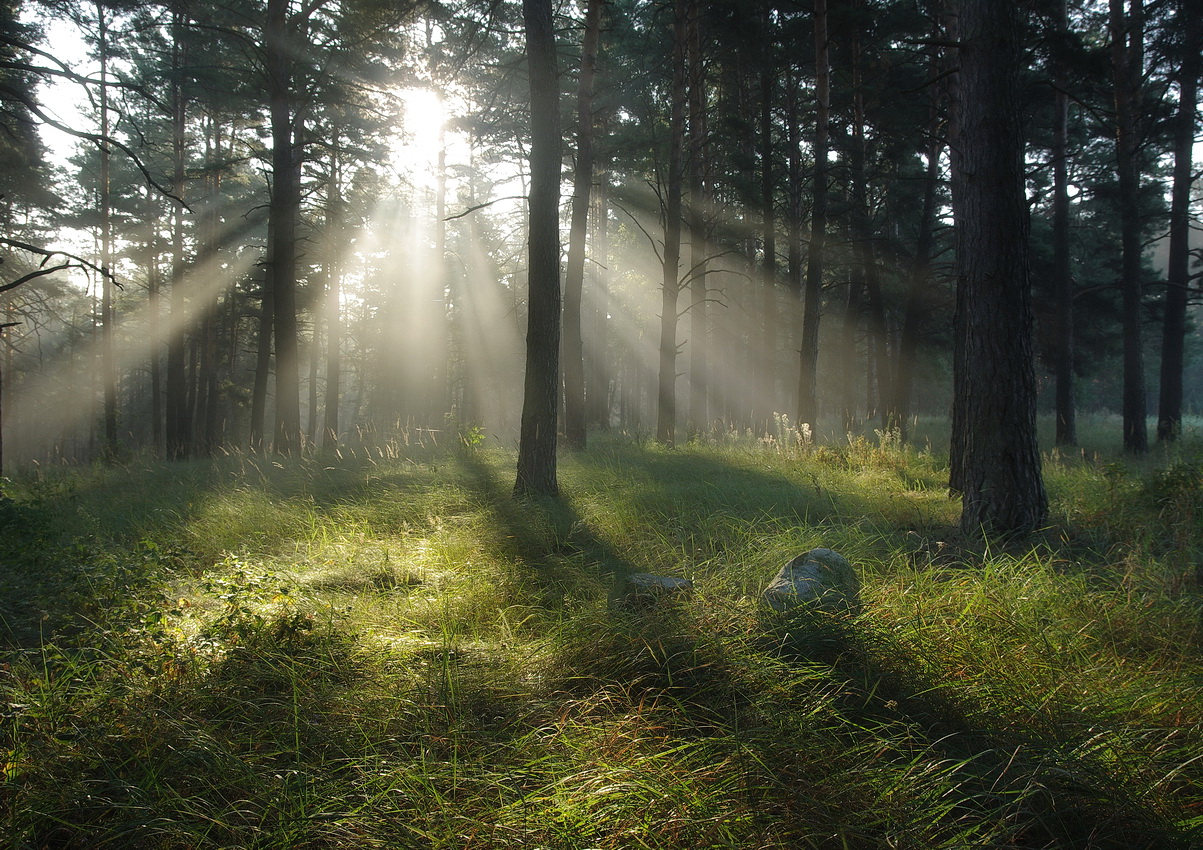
[394, 653]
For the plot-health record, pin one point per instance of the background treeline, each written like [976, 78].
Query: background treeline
[267, 236]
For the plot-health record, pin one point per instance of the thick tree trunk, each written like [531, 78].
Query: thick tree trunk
[1002, 490]
[1066, 408]
[574, 280]
[284, 210]
[670, 287]
[808, 405]
[1127, 42]
[1169, 414]
[537, 440]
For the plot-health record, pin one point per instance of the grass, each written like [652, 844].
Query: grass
[391, 652]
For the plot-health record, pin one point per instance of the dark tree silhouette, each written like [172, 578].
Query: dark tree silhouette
[996, 464]
[537, 440]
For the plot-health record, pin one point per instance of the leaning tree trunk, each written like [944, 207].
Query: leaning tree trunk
[1169, 414]
[1000, 480]
[537, 439]
[574, 279]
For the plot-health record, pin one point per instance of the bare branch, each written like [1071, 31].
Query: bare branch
[473, 209]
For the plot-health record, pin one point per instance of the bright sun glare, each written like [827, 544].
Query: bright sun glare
[421, 133]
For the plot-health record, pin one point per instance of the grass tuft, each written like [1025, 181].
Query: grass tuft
[389, 651]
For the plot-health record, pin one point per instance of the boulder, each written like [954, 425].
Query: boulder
[819, 580]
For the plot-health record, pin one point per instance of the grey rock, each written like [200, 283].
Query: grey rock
[646, 590]
[818, 580]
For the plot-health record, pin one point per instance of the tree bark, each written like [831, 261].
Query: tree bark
[808, 406]
[597, 396]
[794, 267]
[921, 295]
[1173, 339]
[574, 280]
[178, 422]
[153, 326]
[284, 209]
[1066, 412]
[1127, 42]
[537, 440]
[1002, 489]
[333, 304]
[699, 340]
[107, 311]
[666, 408]
[767, 392]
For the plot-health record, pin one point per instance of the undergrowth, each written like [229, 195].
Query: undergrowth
[392, 652]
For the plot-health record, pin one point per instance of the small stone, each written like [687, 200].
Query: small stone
[645, 590]
[818, 580]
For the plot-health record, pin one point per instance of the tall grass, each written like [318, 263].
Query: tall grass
[392, 652]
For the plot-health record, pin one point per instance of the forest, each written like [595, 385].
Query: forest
[241, 226]
[359, 354]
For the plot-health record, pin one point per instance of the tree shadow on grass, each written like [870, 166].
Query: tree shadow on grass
[560, 553]
[1043, 787]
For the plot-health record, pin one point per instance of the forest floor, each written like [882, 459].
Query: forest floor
[386, 650]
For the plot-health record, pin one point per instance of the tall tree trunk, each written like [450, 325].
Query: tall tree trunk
[207, 382]
[794, 267]
[284, 209]
[333, 303]
[263, 355]
[666, 408]
[1001, 485]
[178, 422]
[1173, 339]
[153, 326]
[921, 295]
[808, 405]
[315, 358]
[699, 340]
[1127, 53]
[865, 255]
[1066, 407]
[107, 312]
[768, 399]
[441, 389]
[537, 440]
[574, 280]
[598, 368]
[849, 355]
